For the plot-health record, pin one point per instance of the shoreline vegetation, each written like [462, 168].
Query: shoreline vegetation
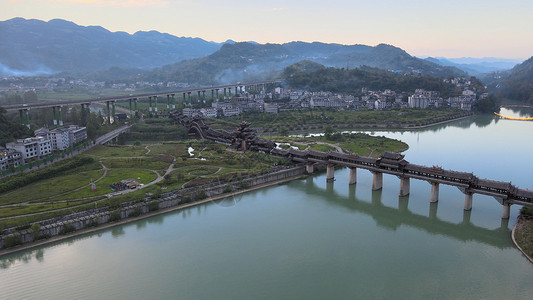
[523, 232]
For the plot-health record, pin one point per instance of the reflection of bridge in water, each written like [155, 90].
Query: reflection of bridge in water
[393, 218]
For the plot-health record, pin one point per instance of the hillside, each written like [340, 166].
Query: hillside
[248, 61]
[476, 66]
[34, 47]
[515, 84]
[10, 131]
[310, 76]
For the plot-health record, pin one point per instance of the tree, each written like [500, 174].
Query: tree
[328, 132]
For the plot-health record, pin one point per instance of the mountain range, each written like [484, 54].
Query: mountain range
[34, 47]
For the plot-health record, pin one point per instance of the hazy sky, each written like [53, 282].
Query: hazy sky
[449, 28]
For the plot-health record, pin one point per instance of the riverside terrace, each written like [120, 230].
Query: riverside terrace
[388, 163]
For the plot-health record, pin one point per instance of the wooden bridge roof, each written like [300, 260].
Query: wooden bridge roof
[507, 186]
[439, 172]
[392, 155]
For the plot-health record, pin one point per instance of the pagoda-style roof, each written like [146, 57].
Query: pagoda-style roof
[392, 155]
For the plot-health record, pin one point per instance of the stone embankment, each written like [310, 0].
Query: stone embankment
[94, 217]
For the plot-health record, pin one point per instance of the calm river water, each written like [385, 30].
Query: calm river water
[309, 239]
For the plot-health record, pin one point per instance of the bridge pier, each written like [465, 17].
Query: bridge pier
[24, 117]
[168, 102]
[60, 120]
[184, 99]
[108, 111]
[112, 105]
[405, 186]
[131, 114]
[330, 172]
[466, 216]
[156, 114]
[135, 101]
[353, 176]
[55, 116]
[189, 94]
[173, 101]
[468, 200]
[403, 205]
[434, 192]
[309, 168]
[236, 91]
[506, 213]
[377, 181]
[150, 106]
[433, 210]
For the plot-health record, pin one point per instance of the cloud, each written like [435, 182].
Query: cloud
[120, 3]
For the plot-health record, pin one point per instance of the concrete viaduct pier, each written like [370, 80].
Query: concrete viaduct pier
[110, 102]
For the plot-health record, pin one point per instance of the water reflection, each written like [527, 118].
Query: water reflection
[392, 218]
[26, 257]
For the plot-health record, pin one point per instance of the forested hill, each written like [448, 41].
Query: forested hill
[315, 77]
[10, 131]
[517, 83]
[249, 61]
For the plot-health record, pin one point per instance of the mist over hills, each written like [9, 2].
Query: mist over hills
[240, 61]
[476, 66]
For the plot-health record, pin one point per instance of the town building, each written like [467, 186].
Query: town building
[38, 147]
[9, 158]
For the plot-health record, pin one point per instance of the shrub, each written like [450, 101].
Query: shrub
[153, 206]
[36, 230]
[67, 228]
[114, 216]
[12, 240]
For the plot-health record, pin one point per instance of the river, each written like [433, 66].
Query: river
[308, 239]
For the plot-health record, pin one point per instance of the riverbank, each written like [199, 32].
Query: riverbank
[522, 236]
[149, 213]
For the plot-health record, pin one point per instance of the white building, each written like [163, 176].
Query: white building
[271, 108]
[9, 158]
[31, 147]
[209, 112]
[63, 137]
[418, 101]
[230, 111]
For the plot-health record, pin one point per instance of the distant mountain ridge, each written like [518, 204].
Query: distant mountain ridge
[476, 66]
[31, 47]
[239, 61]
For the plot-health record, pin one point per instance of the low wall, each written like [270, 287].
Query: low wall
[94, 217]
